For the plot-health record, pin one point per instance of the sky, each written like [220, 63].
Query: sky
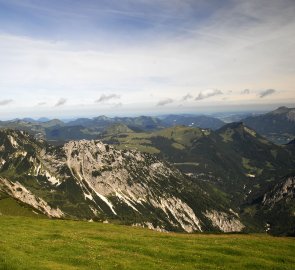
[69, 58]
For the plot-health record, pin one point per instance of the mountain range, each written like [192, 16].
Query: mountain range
[58, 132]
[151, 172]
[91, 180]
[277, 126]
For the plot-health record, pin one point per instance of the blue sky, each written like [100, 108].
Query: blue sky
[85, 58]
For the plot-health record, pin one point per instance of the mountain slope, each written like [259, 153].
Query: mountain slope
[278, 125]
[91, 180]
[235, 157]
[12, 207]
[276, 207]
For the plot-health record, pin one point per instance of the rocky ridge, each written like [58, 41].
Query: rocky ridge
[91, 180]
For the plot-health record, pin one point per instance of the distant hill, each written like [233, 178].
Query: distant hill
[116, 129]
[278, 125]
[144, 123]
[148, 123]
[201, 121]
[58, 132]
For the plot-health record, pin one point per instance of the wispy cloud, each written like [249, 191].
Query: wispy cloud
[171, 45]
[5, 102]
[61, 102]
[266, 92]
[187, 97]
[105, 98]
[245, 92]
[164, 102]
[208, 93]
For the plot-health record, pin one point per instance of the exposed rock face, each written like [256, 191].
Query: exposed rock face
[276, 207]
[129, 178]
[282, 191]
[91, 180]
[224, 222]
[18, 191]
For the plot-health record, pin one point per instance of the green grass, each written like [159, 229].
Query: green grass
[28, 243]
[227, 135]
[9, 205]
[180, 137]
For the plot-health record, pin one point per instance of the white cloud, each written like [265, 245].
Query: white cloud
[164, 102]
[5, 102]
[266, 92]
[61, 102]
[104, 98]
[208, 93]
[187, 97]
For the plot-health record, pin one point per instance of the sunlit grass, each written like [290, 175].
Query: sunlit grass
[28, 243]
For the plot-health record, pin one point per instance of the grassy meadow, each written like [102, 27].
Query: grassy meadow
[30, 243]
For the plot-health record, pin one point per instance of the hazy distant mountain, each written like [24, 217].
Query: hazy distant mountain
[201, 121]
[28, 119]
[117, 128]
[53, 130]
[43, 119]
[141, 123]
[148, 123]
[58, 131]
[278, 125]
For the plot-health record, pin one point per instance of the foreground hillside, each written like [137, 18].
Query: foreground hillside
[56, 244]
